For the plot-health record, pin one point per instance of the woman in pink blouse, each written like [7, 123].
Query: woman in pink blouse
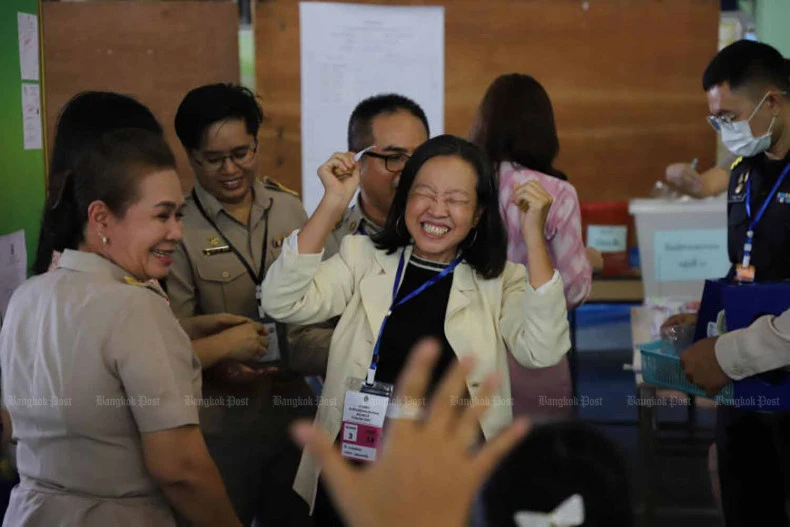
[515, 126]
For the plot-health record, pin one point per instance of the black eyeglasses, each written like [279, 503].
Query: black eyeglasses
[392, 162]
[241, 156]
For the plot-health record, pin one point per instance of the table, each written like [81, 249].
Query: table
[691, 444]
[615, 290]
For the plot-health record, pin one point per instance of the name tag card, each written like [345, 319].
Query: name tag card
[363, 422]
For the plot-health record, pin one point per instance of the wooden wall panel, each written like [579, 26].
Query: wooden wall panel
[624, 77]
[156, 52]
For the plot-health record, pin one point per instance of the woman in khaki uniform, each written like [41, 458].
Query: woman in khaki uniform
[98, 376]
[234, 225]
[82, 122]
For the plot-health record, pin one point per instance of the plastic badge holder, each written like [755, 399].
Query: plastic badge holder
[661, 367]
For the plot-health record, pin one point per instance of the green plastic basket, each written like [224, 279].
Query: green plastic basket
[661, 367]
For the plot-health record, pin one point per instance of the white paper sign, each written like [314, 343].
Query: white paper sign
[690, 255]
[27, 26]
[13, 265]
[607, 238]
[31, 116]
[353, 51]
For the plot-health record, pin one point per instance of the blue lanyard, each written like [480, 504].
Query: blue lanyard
[446, 271]
[747, 246]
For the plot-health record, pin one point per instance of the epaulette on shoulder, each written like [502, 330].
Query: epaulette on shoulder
[151, 285]
[272, 184]
[132, 281]
[736, 163]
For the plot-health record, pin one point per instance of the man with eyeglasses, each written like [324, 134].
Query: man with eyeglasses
[747, 85]
[394, 126]
[387, 128]
[234, 225]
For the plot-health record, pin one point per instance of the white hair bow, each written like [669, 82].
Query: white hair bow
[569, 513]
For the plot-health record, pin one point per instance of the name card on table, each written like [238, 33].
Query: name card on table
[690, 255]
[607, 238]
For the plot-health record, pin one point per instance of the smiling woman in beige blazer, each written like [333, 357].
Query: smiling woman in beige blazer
[445, 212]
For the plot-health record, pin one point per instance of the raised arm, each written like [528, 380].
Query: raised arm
[567, 249]
[338, 192]
[535, 203]
[533, 322]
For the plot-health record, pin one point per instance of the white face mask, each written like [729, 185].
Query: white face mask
[738, 138]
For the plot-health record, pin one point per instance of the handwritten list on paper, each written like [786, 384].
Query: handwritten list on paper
[31, 116]
[690, 255]
[352, 51]
[27, 26]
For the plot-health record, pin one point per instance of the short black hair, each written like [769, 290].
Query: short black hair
[82, 124]
[360, 127]
[212, 103]
[111, 172]
[485, 247]
[744, 63]
[552, 463]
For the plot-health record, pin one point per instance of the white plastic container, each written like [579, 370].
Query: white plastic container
[681, 243]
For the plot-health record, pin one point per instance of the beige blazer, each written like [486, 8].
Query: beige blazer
[485, 318]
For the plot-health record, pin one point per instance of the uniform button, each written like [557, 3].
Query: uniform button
[225, 274]
[353, 226]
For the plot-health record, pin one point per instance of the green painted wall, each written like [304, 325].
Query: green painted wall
[22, 171]
[772, 19]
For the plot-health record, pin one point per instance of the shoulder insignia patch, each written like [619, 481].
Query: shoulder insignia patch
[271, 184]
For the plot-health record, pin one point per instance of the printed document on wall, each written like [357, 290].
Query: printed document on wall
[352, 51]
[13, 264]
[27, 30]
[31, 116]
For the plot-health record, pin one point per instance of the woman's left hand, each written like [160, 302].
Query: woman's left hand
[535, 203]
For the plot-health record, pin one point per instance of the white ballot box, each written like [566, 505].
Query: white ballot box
[681, 243]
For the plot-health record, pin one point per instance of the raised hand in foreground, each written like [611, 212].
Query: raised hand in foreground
[426, 474]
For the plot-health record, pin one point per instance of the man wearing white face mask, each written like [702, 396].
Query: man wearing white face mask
[747, 85]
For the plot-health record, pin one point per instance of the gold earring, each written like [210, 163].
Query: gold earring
[103, 239]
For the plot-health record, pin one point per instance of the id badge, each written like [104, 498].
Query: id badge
[273, 352]
[364, 410]
[744, 273]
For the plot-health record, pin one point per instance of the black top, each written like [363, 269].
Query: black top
[422, 316]
[771, 247]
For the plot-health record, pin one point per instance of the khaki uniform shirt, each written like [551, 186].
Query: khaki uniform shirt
[91, 359]
[354, 221]
[219, 283]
